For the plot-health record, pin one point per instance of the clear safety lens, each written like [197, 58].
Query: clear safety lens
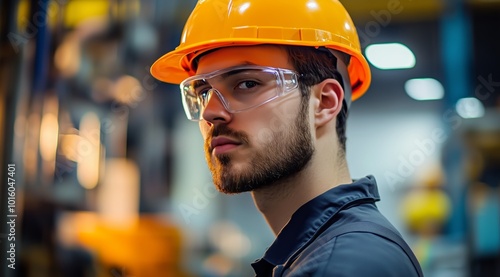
[238, 88]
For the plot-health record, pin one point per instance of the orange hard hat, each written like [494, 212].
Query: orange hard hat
[221, 23]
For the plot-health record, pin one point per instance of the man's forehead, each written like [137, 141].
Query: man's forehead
[226, 57]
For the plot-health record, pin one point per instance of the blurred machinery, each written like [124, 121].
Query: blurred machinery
[149, 246]
[462, 202]
[73, 76]
[426, 209]
[483, 194]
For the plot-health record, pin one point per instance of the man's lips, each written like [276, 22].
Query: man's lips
[219, 145]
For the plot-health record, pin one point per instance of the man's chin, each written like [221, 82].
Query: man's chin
[231, 188]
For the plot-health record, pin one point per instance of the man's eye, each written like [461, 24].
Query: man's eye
[247, 84]
[203, 93]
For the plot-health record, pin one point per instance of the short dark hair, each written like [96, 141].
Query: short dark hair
[315, 66]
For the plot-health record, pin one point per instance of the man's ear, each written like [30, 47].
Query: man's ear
[328, 104]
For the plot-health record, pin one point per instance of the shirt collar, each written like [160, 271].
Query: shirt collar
[306, 221]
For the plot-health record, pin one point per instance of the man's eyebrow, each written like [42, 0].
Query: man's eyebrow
[236, 71]
[198, 83]
[226, 74]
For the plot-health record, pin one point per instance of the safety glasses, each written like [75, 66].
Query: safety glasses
[238, 88]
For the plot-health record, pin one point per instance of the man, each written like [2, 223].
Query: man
[270, 83]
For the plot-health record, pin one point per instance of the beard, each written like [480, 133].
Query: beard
[286, 153]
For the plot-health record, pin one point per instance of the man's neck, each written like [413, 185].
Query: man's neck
[278, 202]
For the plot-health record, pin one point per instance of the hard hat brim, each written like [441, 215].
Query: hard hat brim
[176, 66]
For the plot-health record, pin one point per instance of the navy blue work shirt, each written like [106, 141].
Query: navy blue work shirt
[351, 254]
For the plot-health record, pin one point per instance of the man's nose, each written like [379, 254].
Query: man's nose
[214, 110]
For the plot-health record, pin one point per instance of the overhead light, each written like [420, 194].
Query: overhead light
[49, 134]
[390, 56]
[424, 89]
[89, 151]
[118, 199]
[49, 129]
[470, 108]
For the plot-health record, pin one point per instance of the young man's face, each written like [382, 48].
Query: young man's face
[255, 148]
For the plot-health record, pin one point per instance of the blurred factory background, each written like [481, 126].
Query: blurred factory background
[110, 177]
